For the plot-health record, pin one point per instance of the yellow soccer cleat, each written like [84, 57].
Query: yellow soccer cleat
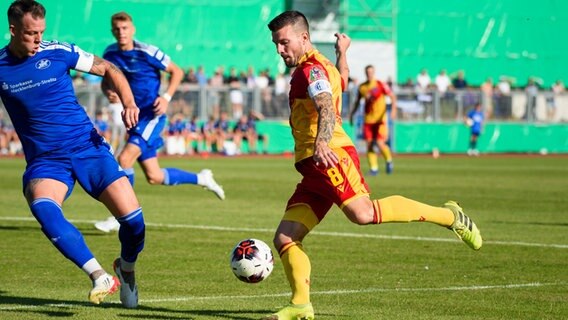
[464, 227]
[293, 312]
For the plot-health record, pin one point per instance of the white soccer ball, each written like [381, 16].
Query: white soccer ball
[251, 260]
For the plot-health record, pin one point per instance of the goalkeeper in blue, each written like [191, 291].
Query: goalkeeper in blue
[143, 64]
[61, 146]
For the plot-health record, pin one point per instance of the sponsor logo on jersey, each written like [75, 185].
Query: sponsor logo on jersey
[5, 86]
[42, 64]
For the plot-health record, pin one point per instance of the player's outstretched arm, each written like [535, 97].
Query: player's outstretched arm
[114, 80]
[341, 44]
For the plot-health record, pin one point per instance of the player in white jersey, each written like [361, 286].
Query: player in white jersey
[61, 146]
[142, 65]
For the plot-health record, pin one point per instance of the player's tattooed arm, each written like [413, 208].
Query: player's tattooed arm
[326, 119]
[326, 123]
[115, 81]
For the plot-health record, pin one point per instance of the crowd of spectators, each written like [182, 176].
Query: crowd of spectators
[231, 119]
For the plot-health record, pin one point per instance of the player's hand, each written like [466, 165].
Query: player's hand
[130, 116]
[324, 156]
[160, 106]
[342, 43]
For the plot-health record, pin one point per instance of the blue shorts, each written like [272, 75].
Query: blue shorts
[93, 166]
[147, 135]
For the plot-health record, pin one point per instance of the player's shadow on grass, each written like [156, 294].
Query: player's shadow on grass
[39, 306]
[34, 305]
[199, 313]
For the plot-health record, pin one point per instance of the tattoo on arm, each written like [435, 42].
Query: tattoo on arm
[326, 120]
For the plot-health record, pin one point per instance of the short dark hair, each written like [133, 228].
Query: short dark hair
[295, 18]
[19, 8]
[120, 16]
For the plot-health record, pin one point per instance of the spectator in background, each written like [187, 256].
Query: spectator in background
[193, 136]
[208, 133]
[244, 130]
[251, 78]
[531, 90]
[487, 96]
[503, 107]
[474, 120]
[262, 83]
[423, 81]
[558, 90]
[280, 95]
[201, 76]
[175, 140]
[190, 76]
[459, 82]
[235, 93]
[215, 84]
[101, 124]
[222, 132]
[443, 83]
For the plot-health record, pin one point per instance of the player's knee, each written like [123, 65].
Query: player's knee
[362, 215]
[155, 177]
[280, 240]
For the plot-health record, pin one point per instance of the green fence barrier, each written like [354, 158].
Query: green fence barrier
[447, 137]
[496, 138]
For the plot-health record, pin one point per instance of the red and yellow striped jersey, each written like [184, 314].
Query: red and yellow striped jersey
[314, 67]
[374, 92]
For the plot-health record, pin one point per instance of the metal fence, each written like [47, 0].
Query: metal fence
[431, 106]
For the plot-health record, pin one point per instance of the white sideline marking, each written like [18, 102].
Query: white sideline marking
[321, 233]
[327, 292]
[358, 291]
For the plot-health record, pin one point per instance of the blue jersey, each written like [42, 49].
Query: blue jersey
[38, 94]
[141, 66]
[176, 127]
[477, 120]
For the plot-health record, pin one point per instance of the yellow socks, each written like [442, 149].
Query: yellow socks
[386, 152]
[298, 268]
[373, 161]
[400, 209]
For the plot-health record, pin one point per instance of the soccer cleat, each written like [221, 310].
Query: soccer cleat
[102, 287]
[373, 172]
[210, 184]
[108, 225]
[389, 167]
[464, 227]
[293, 312]
[128, 288]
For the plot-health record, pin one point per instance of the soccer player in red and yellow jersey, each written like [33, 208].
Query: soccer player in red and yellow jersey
[328, 162]
[375, 126]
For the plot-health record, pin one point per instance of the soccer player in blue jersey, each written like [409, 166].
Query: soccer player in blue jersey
[474, 120]
[61, 146]
[142, 65]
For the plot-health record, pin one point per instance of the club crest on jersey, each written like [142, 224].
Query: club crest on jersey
[316, 74]
[42, 64]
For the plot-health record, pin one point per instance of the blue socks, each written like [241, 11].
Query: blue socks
[130, 175]
[64, 236]
[173, 176]
[131, 235]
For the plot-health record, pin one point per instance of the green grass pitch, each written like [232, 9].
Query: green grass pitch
[392, 271]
